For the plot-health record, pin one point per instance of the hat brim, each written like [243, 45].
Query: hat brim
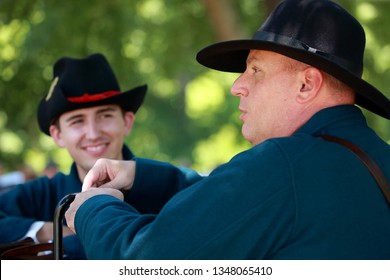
[230, 56]
[129, 100]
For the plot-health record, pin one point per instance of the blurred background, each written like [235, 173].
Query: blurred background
[188, 117]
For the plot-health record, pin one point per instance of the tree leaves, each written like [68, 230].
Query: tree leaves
[146, 41]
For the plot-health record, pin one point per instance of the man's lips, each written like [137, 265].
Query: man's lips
[95, 150]
[243, 114]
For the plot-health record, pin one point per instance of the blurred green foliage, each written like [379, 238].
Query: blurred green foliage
[188, 116]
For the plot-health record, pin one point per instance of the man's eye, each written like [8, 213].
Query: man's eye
[76, 122]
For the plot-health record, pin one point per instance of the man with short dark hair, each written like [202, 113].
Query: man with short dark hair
[86, 113]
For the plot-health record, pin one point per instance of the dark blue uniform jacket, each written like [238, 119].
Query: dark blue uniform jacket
[297, 197]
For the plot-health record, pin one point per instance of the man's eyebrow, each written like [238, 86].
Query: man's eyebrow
[251, 59]
[107, 109]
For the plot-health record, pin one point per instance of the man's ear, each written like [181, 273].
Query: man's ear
[128, 118]
[55, 133]
[311, 82]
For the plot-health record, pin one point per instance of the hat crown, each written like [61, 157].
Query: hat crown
[323, 26]
[317, 32]
[91, 75]
[84, 83]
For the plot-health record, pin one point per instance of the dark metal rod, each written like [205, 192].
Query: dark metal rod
[61, 208]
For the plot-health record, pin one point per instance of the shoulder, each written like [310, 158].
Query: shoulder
[287, 149]
[59, 183]
[297, 145]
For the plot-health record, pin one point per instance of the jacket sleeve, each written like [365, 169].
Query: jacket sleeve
[26, 203]
[17, 207]
[13, 228]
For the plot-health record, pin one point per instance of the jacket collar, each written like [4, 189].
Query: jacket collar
[332, 118]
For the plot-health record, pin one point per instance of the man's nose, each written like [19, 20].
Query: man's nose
[93, 130]
[238, 88]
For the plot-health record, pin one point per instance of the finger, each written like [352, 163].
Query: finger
[74, 206]
[89, 181]
[95, 177]
[69, 217]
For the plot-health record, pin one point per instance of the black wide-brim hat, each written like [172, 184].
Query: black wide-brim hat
[317, 32]
[84, 83]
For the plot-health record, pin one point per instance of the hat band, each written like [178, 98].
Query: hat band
[294, 43]
[93, 97]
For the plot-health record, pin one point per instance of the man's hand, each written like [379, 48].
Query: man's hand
[82, 197]
[107, 173]
[45, 234]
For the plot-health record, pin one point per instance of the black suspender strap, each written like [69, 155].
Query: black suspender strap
[371, 165]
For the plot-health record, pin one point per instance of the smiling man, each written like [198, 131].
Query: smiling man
[86, 113]
[92, 133]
